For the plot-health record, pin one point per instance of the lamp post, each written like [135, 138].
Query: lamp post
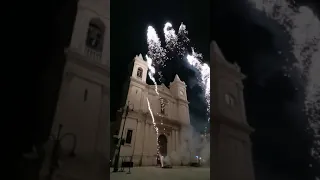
[117, 153]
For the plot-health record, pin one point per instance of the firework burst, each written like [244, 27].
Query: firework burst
[157, 56]
[183, 40]
[155, 51]
[303, 27]
[170, 36]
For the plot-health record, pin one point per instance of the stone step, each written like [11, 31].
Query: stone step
[59, 176]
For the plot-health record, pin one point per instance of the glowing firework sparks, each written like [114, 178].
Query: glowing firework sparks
[151, 73]
[183, 40]
[303, 26]
[195, 61]
[204, 70]
[154, 124]
[183, 33]
[156, 52]
[170, 36]
[157, 55]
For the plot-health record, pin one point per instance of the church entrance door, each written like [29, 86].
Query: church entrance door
[162, 140]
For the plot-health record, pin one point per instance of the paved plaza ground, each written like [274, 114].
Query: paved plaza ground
[157, 173]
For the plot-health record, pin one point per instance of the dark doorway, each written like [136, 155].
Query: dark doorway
[162, 140]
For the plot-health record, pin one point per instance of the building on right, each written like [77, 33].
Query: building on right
[230, 133]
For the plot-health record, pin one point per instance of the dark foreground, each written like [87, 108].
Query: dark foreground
[157, 173]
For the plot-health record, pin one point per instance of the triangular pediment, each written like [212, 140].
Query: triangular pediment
[165, 89]
[214, 48]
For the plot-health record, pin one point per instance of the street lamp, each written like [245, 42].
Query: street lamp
[117, 153]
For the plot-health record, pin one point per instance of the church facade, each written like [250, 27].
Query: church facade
[84, 96]
[83, 105]
[170, 111]
[230, 131]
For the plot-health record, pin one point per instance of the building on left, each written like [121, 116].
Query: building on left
[83, 105]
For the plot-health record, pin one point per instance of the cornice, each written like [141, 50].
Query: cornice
[70, 74]
[83, 6]
[82, 61]
[165, 120]
[182, 100]
[233, 124]
[137, 81]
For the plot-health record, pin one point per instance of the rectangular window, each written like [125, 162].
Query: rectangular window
[85, 96]
[162, 106]
[129, 136]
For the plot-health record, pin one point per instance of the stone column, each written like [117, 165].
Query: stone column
[137, 143]
[102, 150]
[138, 139]
[103, 138]
[145, 143]
[121, 126]
[173, 140]
[150, 144]
[146, 140]
[177, 141]
[153, 140]
[169, 144]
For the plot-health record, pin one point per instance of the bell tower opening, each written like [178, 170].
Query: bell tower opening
[139, 69]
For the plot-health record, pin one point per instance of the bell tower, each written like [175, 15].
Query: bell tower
[178, 90]
[91, 32]
[140, 69]
[230, 130]
[84, 98]
[137, 82]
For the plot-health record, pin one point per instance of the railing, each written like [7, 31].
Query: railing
[126, 162]
[93, 55]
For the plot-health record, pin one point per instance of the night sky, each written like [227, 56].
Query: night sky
[280, 142]
[128, 38]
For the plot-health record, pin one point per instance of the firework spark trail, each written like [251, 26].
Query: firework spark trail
[180, 42]
[151, 76]
[151, 73]
[194, 59]
[204, 69]
[170, 36]
[157, 53]
[155, 50]
[303, 26]
[183, 40]
[154, 124]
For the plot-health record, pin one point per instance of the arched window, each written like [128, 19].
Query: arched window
[95, 34]
[139, 72]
